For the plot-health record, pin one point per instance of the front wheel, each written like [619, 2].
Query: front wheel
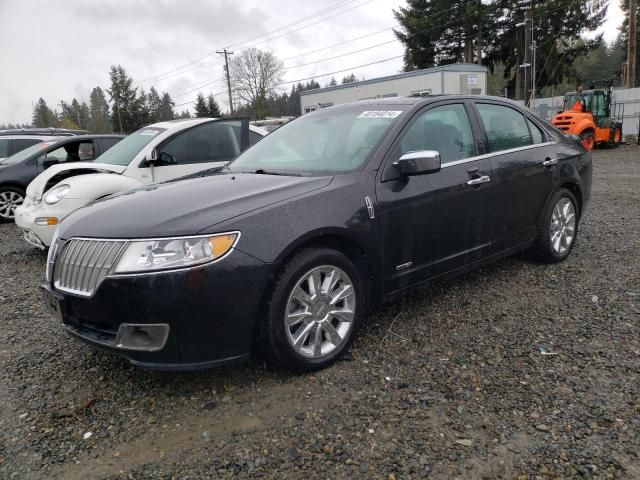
[588, 139]
[558, 228]
[10, 198]
[314, 310]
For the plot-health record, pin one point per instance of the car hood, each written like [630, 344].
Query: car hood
[184, 208]
[37, 186]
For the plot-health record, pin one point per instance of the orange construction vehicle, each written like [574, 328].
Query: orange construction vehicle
[592, 115]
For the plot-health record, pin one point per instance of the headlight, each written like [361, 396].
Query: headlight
[56, 194]
[174, 253]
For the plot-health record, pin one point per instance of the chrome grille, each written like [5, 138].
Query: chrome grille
[82, 264]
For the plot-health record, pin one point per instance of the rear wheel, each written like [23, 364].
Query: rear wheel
[616, 137]
[314, 310]
[558, 228]
[10, 198]
[589, 139]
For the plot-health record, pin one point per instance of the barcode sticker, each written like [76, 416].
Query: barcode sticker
[380, 114]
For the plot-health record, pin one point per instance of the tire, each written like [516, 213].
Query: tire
[286, 317]
[589, 137]
[616, 137]
[10, 198]
[557, 222]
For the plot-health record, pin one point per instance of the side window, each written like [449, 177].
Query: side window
[536, 133]
[445, 129]
[54, 156]
[254, 138]
[4, 147]
[86, 152]
[20, 144]
[211, 142]
[506, 128]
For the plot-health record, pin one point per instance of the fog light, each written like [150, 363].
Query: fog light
[46, 221]
[148, 337]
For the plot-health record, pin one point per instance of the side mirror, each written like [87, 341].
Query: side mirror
[418, 163]
[50, 162]
[166, 159]
[153, 156]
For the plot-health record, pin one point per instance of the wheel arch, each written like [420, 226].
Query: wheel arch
[13, 184]
[575, 189]
[329, 238]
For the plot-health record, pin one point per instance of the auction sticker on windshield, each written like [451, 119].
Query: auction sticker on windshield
[380, 114]
[149, 133]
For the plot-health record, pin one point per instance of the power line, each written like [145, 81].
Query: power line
[311, 24]
[338, 44]
[335, 6]
[210, 82]
[199, 59]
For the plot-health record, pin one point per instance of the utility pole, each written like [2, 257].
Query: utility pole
[631, 49]
[528, 42]
[226, 69]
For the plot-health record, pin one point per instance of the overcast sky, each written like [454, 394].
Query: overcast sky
[60, 49]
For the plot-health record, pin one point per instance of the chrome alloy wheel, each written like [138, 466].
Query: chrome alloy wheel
[320, 311]
[563, 226]
[9, 200]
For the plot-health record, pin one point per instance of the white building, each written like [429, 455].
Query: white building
[460, 78]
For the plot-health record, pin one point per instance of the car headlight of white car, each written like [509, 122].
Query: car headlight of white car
[56, 194]
[175, 253]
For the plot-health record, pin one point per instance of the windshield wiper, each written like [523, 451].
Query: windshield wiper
[262, 171]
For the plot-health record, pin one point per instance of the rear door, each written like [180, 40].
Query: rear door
[209, 145]
[523, 162]
[435, 223]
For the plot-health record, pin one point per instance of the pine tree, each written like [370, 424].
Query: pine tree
[351, 78]
[166, 108]
[99, 119]
[125, 112]
[213, 108]
[201, 107]
[43, 116]
[154, 105]
[184, 114]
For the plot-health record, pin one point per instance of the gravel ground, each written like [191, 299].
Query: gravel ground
[449, 382]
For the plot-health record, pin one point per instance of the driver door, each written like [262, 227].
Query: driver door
[435, 223]
[209, 145]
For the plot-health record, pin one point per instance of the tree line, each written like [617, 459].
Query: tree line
[491, 33]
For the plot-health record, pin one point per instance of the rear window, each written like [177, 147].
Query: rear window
[20, 144]
[28, 152]
[4, 147]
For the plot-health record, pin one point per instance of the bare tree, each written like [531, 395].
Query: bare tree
[255, 75]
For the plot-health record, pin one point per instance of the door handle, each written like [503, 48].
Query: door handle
[479, 181]
[550, 162]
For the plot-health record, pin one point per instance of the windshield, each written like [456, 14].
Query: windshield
[123, 152]
[571, 99]
[26, 153]
[326, 142]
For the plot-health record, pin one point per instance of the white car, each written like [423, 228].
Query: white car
[155, 153]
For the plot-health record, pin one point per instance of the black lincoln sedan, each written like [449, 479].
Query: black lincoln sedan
[282, 252]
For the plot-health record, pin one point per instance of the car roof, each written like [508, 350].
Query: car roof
[58, 132]
[420, 101]
[31, 137]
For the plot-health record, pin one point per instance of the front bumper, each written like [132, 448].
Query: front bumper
[40, 235]
[210, 313]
